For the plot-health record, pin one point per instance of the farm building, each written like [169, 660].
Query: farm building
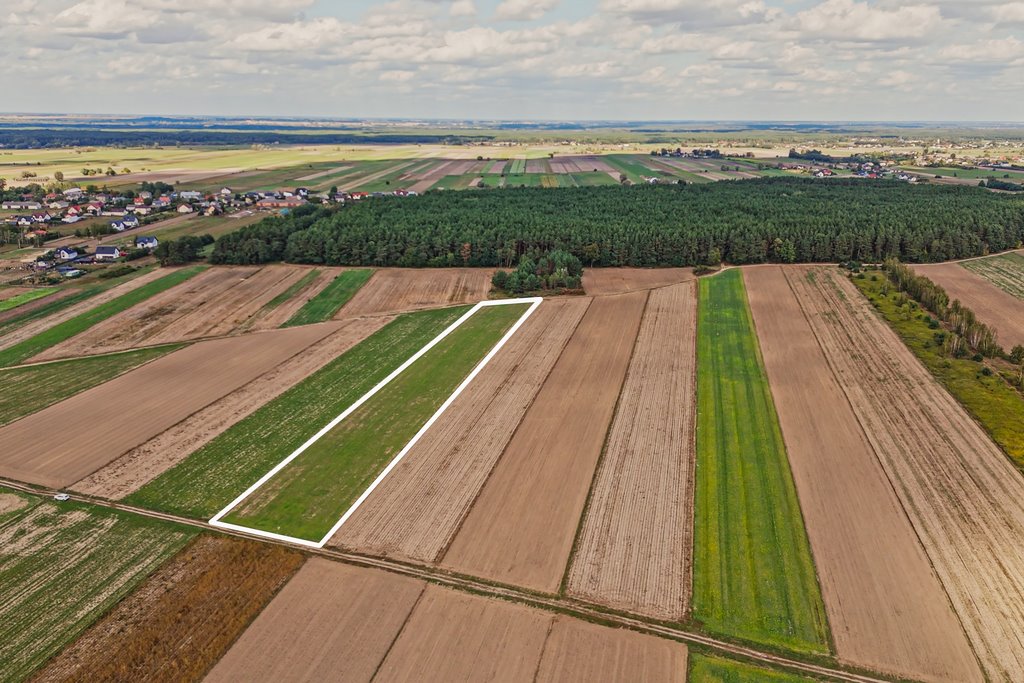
[107, 253]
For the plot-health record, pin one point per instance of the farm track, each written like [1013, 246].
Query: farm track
[964, 497]
[633, 551]
[147, 461]
[886, 607]
[397, 290]
[521, 528]
[416, 511]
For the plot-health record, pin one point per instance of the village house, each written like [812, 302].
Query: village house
[146, 242]
[107, 253]
[41, 217]
[283, 203]
[21, 205]
[66, 253]
[74, 193]
[185, 208]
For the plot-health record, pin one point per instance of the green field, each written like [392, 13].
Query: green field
[988, 398]
[311, 493]
[25, 390]
[25, 297]
[971, 173]
[331, 298]
[215, 474]
[753, 575]
[714, 670]
[523, 179]
[1005, 271]
[292, 290]
[69, 328]
[64, 565]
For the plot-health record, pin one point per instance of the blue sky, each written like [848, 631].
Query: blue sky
[519, 59]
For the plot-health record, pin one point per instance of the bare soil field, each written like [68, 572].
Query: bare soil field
[182, 619]
[887, 610]
[395, 290]
[416, 511]
[216, 302]
[279, 315]
[964, 498]
[633, 552]
[61, 444]
[995, 307]
[584, 652]
[601, 281]
[147, 461]
[521, 529]
[33, 328]
[454, 636]
[331, 622]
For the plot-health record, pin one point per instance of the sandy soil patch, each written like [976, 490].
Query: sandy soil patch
[497, 167]
[521, 529]
[584, 652]
[11, 503]
[887, 610]
[393, 290]
[71, 439]
[416, 511]
[331, 622]
[995, 307]
[146, 462]
[460, 637]
[601, 281]
[964, 497]
[633, 552]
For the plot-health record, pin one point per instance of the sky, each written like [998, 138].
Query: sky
[797, 60]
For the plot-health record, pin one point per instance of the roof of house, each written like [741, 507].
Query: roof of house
[107, 250]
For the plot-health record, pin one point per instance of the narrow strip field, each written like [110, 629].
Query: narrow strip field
[64, 565]
[61, 444]
[181, 620]
[964, 497]
[21, 298]
[25, 390]
[308, 496]
[601, 281]
[395, 290]
[521, 529]
[1005, 271]
[417, 509]
[214, 475]
[886, 607]
[704, 669]
[753, 574]
[331, 298]
[633, 551]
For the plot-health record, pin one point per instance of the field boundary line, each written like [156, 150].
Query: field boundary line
[216, 520]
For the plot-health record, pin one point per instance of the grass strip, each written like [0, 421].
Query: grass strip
[25, 297]
[25, 390]
[716, 670]
[291, 291]
[988, 398]
[213, 476]
[754, 577]
[307, 497]
[80, 323]
[62, 566]
[331, 298]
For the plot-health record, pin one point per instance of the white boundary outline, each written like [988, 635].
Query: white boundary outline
[216, 520]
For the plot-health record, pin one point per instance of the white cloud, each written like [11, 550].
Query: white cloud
[849, 20]
[523, 10]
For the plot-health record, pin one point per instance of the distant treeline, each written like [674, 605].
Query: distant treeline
[751, 221]
[35, 138]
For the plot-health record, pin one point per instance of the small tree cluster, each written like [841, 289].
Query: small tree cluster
[553, 270]
[181, 250]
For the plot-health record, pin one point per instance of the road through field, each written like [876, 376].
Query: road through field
[887, 610]
[601, 281]
[962, 494]
[633, 551]
[521, 529]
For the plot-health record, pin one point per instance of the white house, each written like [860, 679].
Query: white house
[146, 242]
[185, 208]
[107, 253]
[66, 253]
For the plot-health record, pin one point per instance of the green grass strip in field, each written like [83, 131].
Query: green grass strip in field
[62, 566]
[988, 398]
[25, 297]
[214, 475]
[715, 670]
[292, 290]
[1005, 271]
[28, 389]
[308, 496]
[754, 577]
[331, 298]
[80, 323]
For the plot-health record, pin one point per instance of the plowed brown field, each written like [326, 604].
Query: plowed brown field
[601, 281]
[332, 622]
[454, 636]
[521, 529]
[415, 512]
[274, 318]
[886, 607]
[995, 307]
[216, 302]
[634, 547]
[964, 498]
[71, 439]
[146, 462]
[393, 290]
[588, 653]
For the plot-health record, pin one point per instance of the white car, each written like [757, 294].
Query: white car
[62, 497]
